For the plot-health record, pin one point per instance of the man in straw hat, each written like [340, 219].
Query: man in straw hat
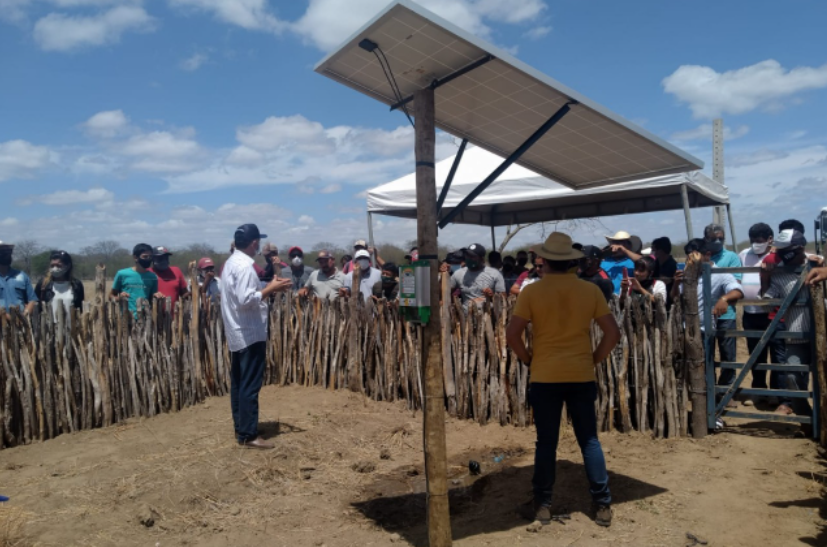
[561, 308]
[621, 259]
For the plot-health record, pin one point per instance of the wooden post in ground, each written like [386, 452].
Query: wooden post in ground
[354, 362]
[100, 284]
[820, 361]
[439, 520]
[695, 363]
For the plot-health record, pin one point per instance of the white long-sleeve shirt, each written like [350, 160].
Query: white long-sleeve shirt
[244, 312]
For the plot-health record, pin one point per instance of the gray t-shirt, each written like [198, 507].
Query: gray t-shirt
[366, 281]
[299, 277]
[471, 284]
[323, 286]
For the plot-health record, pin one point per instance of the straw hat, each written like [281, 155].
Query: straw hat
[558, 247]
[620, 236]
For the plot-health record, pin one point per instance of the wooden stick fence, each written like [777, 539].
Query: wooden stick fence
[103, 365]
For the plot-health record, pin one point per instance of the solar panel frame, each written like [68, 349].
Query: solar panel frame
[499, 104]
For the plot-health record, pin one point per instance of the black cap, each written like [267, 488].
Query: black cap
[592, 251]
[249, 232]
[474, 249]
[578, 246]
[454, 257]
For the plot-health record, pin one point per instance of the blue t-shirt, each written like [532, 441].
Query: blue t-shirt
[137, 285]
[614, 267]
[16, 289]
[728, 259]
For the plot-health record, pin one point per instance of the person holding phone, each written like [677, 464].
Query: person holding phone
[620, 256]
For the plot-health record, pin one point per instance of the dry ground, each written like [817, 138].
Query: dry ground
[347, 471]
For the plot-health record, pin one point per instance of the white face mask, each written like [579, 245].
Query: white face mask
[760, 248]
[364, 263]
[297, 261]
[58, 271]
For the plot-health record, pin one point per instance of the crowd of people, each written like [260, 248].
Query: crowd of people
[562, 288]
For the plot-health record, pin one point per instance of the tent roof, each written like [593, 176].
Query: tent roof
[498, 101]
[520, 196]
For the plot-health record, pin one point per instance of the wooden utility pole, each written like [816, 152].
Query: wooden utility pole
[695, 363]
[820, 361]
[436, 471]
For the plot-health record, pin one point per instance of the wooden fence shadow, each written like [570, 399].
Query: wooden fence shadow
[491, 503]
[817, 502]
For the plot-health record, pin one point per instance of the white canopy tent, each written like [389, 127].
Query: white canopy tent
[520, 196]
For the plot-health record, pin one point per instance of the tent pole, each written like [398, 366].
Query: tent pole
[732, 229]
[370, 237]
[434, 444]
[493, 239]
[687, 215]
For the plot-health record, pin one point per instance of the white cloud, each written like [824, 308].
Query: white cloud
[106, 124]
[537, 32]
[704, 132]
[9, 221]
[13, 11]
[753, 158]
[162, 152]
[763, 85]
[327, 23]
[71, 197]
[306, 220]
[245, 156]
[21, 159]
[247, 14]
[60, 32]
[293, 132]
[191, 64]
[331, 189]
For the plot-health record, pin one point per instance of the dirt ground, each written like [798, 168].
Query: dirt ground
[347, 471]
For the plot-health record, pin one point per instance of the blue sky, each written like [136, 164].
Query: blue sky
[117, 115]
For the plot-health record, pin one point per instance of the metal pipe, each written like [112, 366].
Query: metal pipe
[732, 229]
[687, 215]
[444, 193]
[493, 239]
[516, 155]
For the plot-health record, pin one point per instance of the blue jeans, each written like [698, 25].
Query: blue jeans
[246, 377]
[547, 402]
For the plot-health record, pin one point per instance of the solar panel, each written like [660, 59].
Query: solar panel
[500, 103]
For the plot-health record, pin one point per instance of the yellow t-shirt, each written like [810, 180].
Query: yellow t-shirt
[561, 309]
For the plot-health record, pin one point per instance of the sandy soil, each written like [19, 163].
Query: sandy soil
[347, 471]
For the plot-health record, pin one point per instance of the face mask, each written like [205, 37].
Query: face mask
[388, 280]
[58, 271]
[5, 260]
[760, 248]
[145, 262]
[715, 247]
[297, 261]
[455, 267]
[789, 256]
[472, 264]
[161, 263]
[414, 256]
[364, 263]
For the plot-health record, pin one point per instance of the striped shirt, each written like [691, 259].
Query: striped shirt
[244, 312]
[798, 314]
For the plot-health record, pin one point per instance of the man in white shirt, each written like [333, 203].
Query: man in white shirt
[757, 317]
[244, 309]
[369, 276]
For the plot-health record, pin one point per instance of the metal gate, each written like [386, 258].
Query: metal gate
[717, 407]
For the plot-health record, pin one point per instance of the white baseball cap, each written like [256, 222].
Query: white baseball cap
[361, 253]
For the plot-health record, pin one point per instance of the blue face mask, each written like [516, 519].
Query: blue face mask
[715, 246]
[455, 267]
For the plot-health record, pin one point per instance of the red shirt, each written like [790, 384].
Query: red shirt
[171, 283]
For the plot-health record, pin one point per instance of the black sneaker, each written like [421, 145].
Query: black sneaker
[603, 515]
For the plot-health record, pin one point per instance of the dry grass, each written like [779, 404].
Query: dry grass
[13, 523]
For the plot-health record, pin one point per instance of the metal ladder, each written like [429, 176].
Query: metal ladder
[716, 411]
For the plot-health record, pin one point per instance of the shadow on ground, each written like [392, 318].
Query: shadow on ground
[490, 502]
[818, 503]
[764, 429]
